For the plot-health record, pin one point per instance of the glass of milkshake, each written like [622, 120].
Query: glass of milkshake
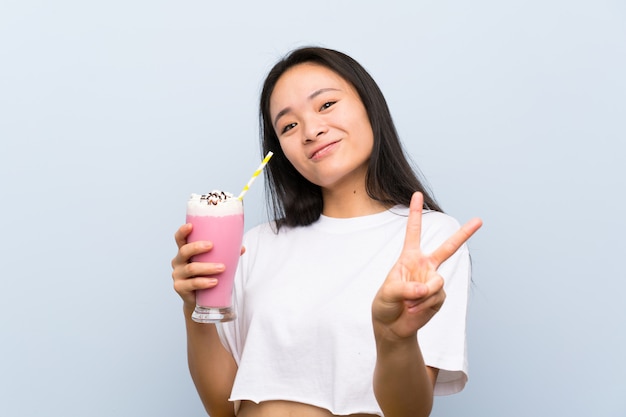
[216, 217]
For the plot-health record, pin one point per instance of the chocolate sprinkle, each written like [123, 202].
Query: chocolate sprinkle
[214, 197]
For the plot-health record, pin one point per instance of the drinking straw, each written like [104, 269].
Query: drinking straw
[256, 174]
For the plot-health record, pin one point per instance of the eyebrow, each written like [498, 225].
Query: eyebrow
[311, 97]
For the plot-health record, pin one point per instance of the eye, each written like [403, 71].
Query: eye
[327, 105]
[288, 127]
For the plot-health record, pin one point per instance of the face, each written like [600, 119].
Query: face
[322, 126]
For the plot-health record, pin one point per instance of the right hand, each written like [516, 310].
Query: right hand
[191, 276]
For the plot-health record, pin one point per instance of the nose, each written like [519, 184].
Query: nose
[314, 128]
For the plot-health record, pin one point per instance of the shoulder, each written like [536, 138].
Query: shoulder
[433, 222]
[437, 220]
[259, 231]
[267, 232]
[436, 228]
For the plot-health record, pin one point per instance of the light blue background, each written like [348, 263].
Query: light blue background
[111, 113]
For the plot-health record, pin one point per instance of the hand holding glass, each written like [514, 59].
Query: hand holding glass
[221, 223]
[218, 217]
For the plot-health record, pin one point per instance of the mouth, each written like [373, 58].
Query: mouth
[323, 150]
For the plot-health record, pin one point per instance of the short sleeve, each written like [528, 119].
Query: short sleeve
[443, 339]
[230, 332]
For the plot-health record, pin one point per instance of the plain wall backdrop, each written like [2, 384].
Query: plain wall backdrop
[111, 113]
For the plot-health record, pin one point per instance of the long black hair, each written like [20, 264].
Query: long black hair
[390, 178]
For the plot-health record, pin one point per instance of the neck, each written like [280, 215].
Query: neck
[350, 201]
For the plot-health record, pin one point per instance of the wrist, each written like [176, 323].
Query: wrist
[385, 333]
[188, 309]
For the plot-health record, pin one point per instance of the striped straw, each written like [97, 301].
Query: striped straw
[256, 174]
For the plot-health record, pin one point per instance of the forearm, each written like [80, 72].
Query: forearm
[402, 384]
[212, 368]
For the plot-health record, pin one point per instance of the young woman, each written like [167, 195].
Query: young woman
[340, 299]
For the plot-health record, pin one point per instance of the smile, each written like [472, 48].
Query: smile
[319, 153]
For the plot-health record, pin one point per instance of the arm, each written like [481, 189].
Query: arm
[403, 384]
[410, 296]
[211, 366]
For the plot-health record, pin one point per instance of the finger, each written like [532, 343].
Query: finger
[433, 294]
[433, 285]
[188, 286]
[414, 223]
[243, 250]
[433, 302]
[396, 291]
[187, 251]
[201, 269]
[181, 234]
[454, 242]
[186, 271]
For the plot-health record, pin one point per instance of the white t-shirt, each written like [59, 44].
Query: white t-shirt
[303, 301]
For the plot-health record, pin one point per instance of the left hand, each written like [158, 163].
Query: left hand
[413, 290]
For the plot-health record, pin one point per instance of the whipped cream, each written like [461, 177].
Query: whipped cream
[216, 203]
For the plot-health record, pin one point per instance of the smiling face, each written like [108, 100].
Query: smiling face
[322, 126]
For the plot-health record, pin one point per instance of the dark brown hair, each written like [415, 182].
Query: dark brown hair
[390, 179]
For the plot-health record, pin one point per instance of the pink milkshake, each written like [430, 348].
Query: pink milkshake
[216, 217]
